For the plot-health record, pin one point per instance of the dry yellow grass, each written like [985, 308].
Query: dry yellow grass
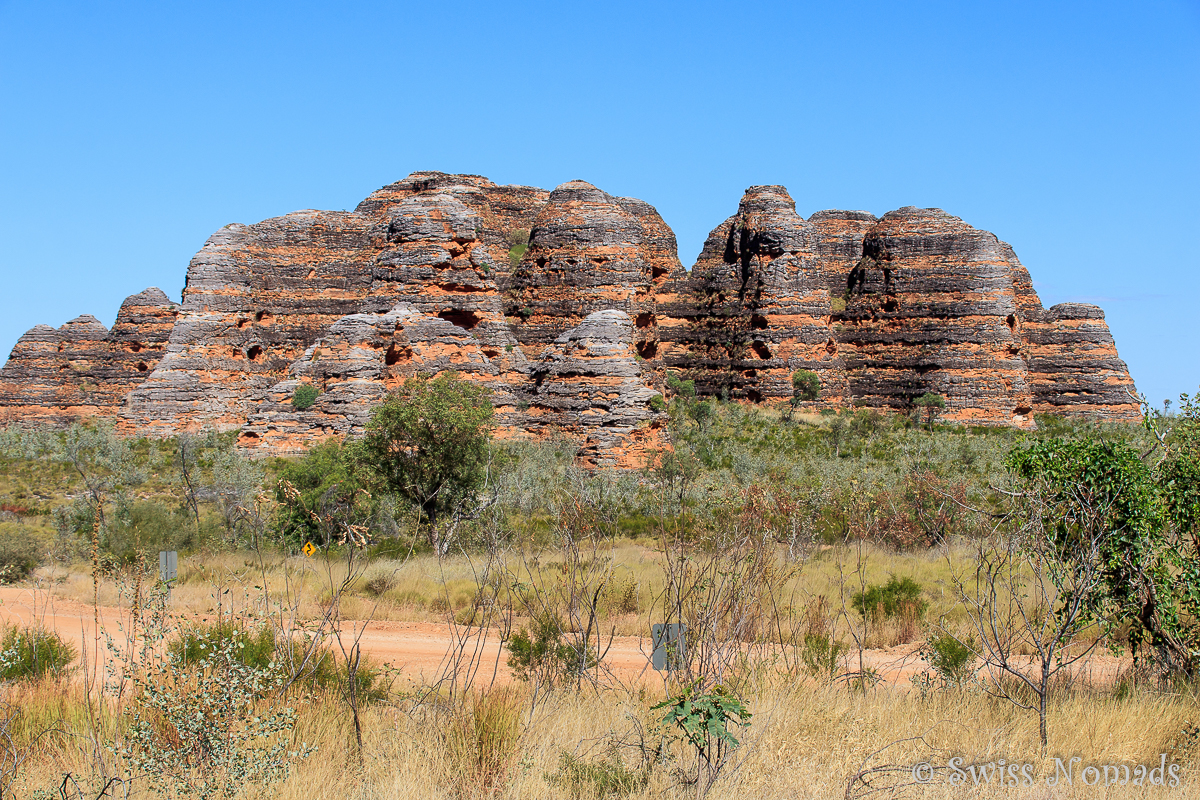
[804, 742]
[423, 588]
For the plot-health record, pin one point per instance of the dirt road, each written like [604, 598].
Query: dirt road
[420, 649]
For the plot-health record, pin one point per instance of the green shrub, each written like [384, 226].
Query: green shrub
[704, 720]
[518, 243]
[326, 484]
[20, 553]
[822, 656]
[681, 387]
[952, 659]
[899, 597]
[252, 646]
[145, 528]
[658, 404]
[305, 395]
[257, 647]
[228, 729]
[542, 655]
[428, 442]
[32, 653]
[806, 386]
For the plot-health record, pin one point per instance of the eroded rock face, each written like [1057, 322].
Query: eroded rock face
[589, 251]
[591, 385]
[255, 297]
[931, 307]
[1073, 364]
[578, 333]
[755, 308]
[258, 296]
[82, 369]
[360, 359]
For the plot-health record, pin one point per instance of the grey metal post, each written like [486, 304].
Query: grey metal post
[669, 646]
[168, 567]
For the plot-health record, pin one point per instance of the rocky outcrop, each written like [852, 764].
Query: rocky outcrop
[592, 386]
[589, 251]
[756, 306]
[360, 359]
[1073, 364]
[258, 296]
[589, 386]
[82, 369]
[931, 307]
[572, 307]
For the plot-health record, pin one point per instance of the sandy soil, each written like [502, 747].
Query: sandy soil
[419, 650]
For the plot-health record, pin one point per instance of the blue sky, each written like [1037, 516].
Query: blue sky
[130, 132]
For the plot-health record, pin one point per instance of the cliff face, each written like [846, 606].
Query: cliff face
[575, 333]
[82, 369]
[591, 384]
[589, 251]
[756, 306]
[932, 307]
[355, 364]
[258, 295]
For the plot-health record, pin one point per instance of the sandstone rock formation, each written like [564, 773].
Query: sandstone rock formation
[756, 306]
[356, 364]
[589, 251]
[885, 310]
[258, 295]
[577, 332]
[931, 307]
[82, 369]
[591, 385]
[1073, 363]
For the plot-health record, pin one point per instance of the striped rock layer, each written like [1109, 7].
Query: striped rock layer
[82, 369]
[573, 307]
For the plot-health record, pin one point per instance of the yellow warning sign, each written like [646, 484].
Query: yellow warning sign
[309, 549]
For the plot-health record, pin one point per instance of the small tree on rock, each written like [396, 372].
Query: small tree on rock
[932, 404]
[806, 387]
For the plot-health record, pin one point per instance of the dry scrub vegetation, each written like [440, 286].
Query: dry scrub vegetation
[831, 574]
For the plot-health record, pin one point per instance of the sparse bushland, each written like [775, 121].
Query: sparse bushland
[807, 559]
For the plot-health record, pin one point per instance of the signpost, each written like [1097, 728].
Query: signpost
[168, 565]
[309, 549]
[669, 646]
[168, 568]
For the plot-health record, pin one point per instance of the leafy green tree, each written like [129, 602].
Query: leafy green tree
[806, 387]
[1098, 500]
[932, 405]
[682, 388]
[428, 442]
[318, 493]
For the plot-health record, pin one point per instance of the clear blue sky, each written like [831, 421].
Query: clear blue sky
[129, 132]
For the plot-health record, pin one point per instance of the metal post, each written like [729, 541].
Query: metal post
[669, 646]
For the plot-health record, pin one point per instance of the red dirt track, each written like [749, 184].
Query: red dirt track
[418, 649]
